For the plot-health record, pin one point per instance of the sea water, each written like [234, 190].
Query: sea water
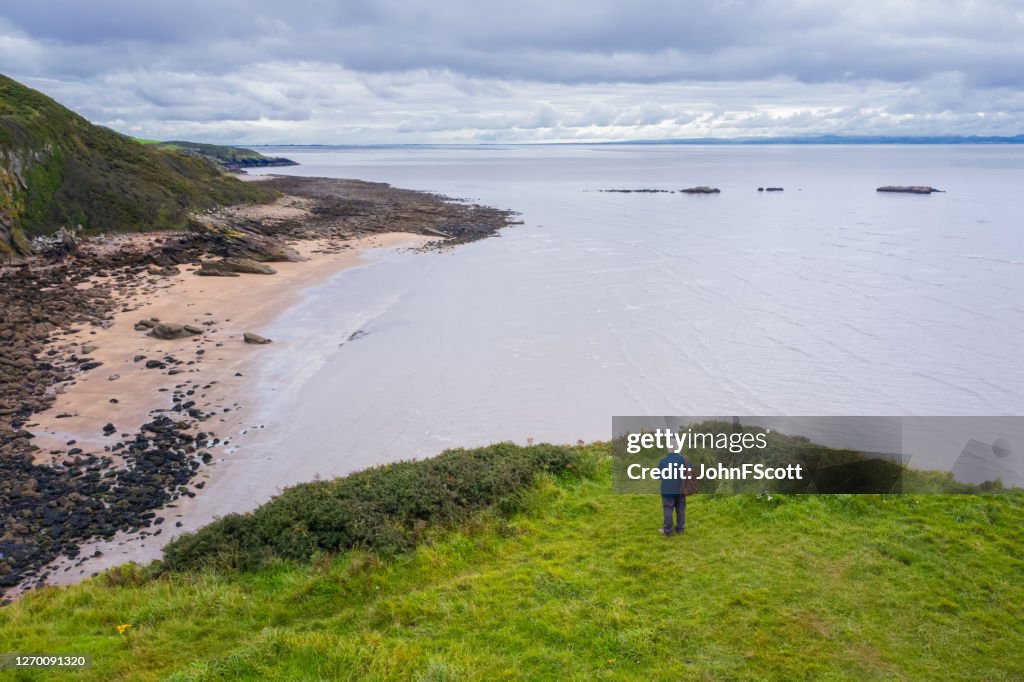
[826, 298]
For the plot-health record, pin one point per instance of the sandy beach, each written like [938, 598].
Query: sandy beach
[225, 307]
[134, 363]
[219, 367]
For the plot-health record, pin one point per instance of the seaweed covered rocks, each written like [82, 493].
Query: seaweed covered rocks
[49, 510]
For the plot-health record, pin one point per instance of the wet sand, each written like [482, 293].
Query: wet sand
[223, 373]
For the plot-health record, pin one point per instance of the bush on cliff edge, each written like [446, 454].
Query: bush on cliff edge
[385, 509]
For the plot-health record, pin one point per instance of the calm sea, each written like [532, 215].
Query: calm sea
[826, 298]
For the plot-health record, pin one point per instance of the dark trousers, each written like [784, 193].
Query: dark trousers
[677, 503]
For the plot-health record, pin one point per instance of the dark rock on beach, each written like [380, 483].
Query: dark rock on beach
[36, 303]
[215, 237]
[58, 507]
[231, 267]
[248, 266]
[249, 337]
[169, 331]
[211, 269]
[908, 189]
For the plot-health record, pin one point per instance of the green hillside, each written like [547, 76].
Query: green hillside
[565, 580]
[58, 169]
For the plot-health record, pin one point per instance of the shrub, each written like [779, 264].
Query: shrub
[385, 509]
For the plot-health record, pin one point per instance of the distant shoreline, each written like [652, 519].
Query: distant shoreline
[825, 140]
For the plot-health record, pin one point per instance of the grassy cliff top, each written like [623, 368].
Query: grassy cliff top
[566, 580]
[56, 168]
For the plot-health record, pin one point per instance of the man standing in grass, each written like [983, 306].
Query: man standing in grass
[672, 499]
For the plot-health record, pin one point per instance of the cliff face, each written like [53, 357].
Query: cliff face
[19, 164]
[58, 169]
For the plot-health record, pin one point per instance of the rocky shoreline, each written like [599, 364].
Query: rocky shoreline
[53, 499]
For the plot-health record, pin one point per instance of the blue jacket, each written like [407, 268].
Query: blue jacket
[670, 486]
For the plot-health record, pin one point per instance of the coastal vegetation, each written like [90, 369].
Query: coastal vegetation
[563, 578]
[228, 157]
[385, 509]
[58, 170]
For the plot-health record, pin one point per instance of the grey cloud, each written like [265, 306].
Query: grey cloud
[84, 23]
[434, 70]
[568, 41]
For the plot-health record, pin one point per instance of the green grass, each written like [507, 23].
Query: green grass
[577, 584]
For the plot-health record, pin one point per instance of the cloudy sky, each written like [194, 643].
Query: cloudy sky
[420, 71]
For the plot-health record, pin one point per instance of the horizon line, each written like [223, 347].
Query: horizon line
[827, 139]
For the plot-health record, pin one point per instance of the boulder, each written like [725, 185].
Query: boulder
[230, 267]
[249, 337]
[248, 265]
[214, 269]
[241, 242]
[702, 189]
[170, 330]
